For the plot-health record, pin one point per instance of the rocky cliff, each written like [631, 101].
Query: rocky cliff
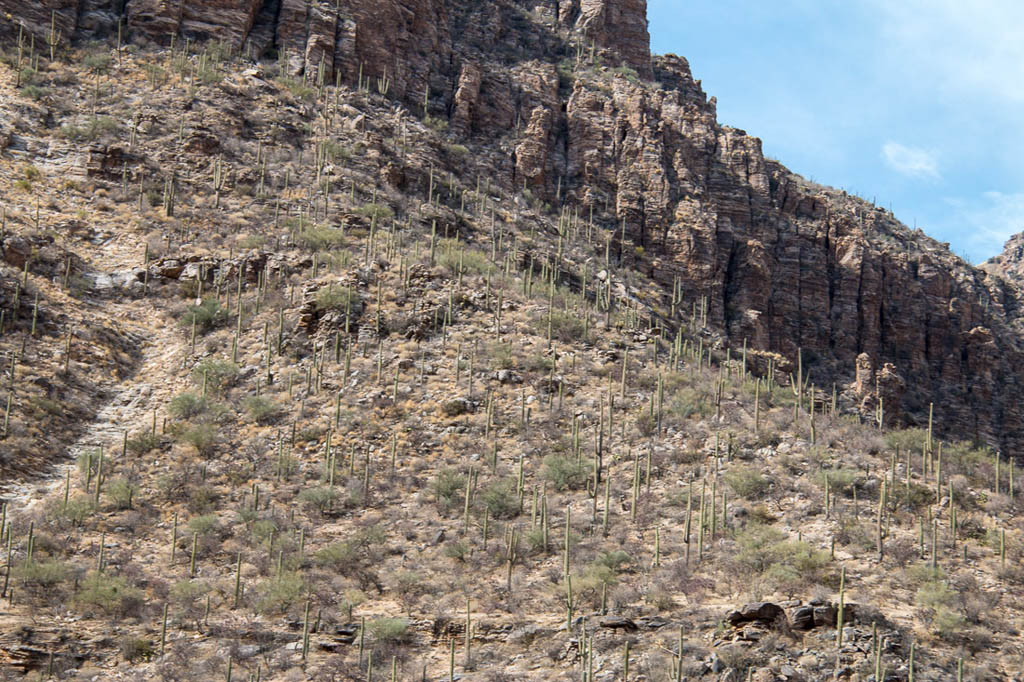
[572, 108]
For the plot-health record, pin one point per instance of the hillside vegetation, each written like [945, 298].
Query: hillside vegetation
[293, 391]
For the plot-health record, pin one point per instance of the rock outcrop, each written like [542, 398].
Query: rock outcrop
[1010, 263]
[778, 261]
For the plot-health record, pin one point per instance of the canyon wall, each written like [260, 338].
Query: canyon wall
[782, 262]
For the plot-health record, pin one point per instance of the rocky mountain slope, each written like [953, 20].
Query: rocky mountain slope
[778, 262]
[446, 339]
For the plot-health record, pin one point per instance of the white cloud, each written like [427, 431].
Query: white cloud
[912, 161]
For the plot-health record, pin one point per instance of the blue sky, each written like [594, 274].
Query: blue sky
[918, 104]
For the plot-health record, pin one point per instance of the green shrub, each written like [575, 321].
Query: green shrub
[841, 481]
[110, 594]
[337, 298]
[203, 437]
[33, 91]
[217, 373]
[908, 439]
[278, 594]
[392, 630]
[320, 238]
[456, 149]
[143, 443]
[207, 315]
[689, 402]
[449, 488]
[937, 603]
[613, 560]
[790, 564]
[97, 62]
[261, 410]
[747, 482]
[566, 327]
[88, 462]
[204, 524]
[78, 509]
[565, 473]
[44, 575]
[121, 493]
[454, 256]
[134, 649]
[98, 127]
[458, 550]
[321, 498]
[298, 87]
[187, 406]
[501, 499]
[338, 555]
[379, 211]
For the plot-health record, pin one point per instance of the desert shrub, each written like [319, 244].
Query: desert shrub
[534, 538]
[456, 407]
[97, 62]
[937, 605]
[41, 575]
[298, 87]
[501, 499]
[458, 550]
[278, 594]
[320, 498]
[135, 648]
[565, 473]
[186, 595]
[646, 423]
[613, 560]
[218, 374]
[88, 462]
[566, 327]
[379, 211]
[202, 437]
[687, 402]
[121, 492]
[204, 524]
[455, 257]
[449, 488]
[143, 443]
[110, 594]
[406, 586]
[964, 459]
[747, 482]
[77, 510]
[320, 238]
[261, 410]
[96, 128]
[202, 499]
[337, 298]
[208, 315]
[393, 630]
[841, 481]
[764, 550]
[347, 555]
[907, 439]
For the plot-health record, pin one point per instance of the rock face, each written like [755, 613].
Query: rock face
[1010, 263]
[619, 26]
[777, 261]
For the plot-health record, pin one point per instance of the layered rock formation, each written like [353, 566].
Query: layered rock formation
[1010, 263]
[780, 262]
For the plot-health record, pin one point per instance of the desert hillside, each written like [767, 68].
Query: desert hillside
[434, 339]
